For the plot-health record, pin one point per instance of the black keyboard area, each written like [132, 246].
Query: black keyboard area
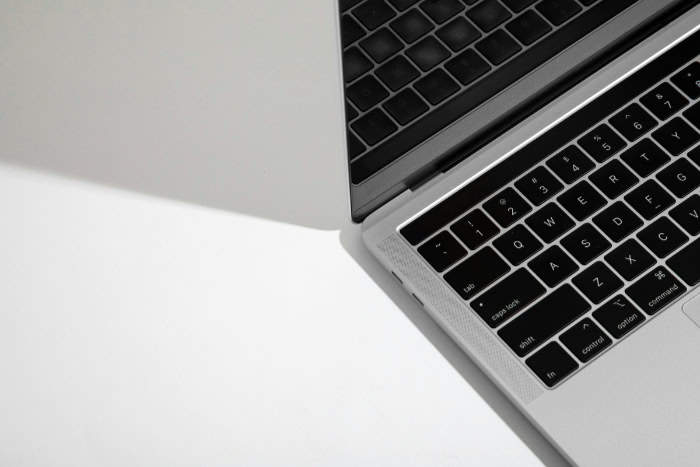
[586, 232]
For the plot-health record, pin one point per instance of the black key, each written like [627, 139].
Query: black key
[374, 127]
[367, 92]
[688, 80]
[588, 2]
[558, 11]
[582, 200]
[649, 200]
[401, 5]
[693, 115]
[617, 221]
[381, 45]
[539, 185]
[676, 136]
[664, 101]
[373, 13]
[694, 155]
[488, 14]
[528, 27]
[442, 251]
[686, 263]
[518, 5]
[397, 73]
[585, 243]
[345, 4]
[655, 290]
[550, 222]
[680, 178]
[355, 146]
[467, 66]
[598, 282]
[633, 121]
[437, 86]
[517, 245]
[411, 26]
[613, 179]
[601, 143]
[687, 214]
[507, 207]
[355, 64]
[427, 53]
[570, 164]
[630, 259]
[619, 316]
[498, 47]
[406, 106]
[585, 340]
[441, 10]
[645, 157]
[508, 297]
[662, 237]
[476, 273]
[552, 364]
[350, 112]
[553, 266]
[350, 30]
[458, 34]
[475, 229]
[544, 319]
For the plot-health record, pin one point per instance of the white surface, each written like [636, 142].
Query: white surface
[169, 294]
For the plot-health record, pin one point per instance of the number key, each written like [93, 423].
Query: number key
[633, 121]
[570, 164]
[507, 207]
[602, 143]
[539, 185]
[664, 101]
[474, 229]
[688, 80]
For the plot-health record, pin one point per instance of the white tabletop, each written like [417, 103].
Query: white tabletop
[179, 284]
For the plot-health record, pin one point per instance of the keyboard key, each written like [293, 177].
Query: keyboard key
[517, 245]
[476, 273]
[676, 136]
[373, 13]
[367, 92]
[437, 86]
[507, 207]
[613, 179]
[685, 263]
[694, 155]
[688, 80]
[350, 112]
[618, 221]
[350, 30]
[553, 266]
[355, 64]
[397, 73]
[601, 143]
[645, 157]
[427, 53]
[374, 127]
[488, 14]
[552, 364]
[662, 237]
[355, 146]
[664, 101]
[619, 316]
[544, 319]
[539, 185]
[630, 259]
[598, 282]
[585, 243]
[441, 10]
[508, 297]
[585, 340]
[687, 214]
[467, 66]
[570, 164]
[550, 222]
[401, 5]
[411, 26]
[680, 178]
[649, 200]
[693, 115]
[655, 290]
[582, 200]
[475, 229]
[518, 5]
[406, 106]
[528, 27]
[345, 4]
[498, 47]
[458, 34]
[442, 251]
[558, 11]
[633, 121]
[381, 45]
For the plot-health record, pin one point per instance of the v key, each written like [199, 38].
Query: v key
[687, 214]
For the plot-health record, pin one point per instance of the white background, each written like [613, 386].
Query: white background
[179, 284]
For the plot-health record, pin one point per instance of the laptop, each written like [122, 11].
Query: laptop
[529, 171]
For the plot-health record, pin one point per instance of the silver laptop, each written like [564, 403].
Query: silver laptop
[529, 170]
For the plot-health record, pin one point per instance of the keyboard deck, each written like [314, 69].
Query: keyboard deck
[587, 232]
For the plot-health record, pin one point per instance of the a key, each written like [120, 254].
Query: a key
[518, 5]
[550, 222]
[676, 136]
[645, 157]
[477, 272]
[373, 13]
[441, 10]
[664, 101]
[686, 263]
[458, 34]
[427, 53]
[630, 259]
[355, 146]
[633, 121]
[401, 5]
[507, 207]
[552, 364]
[618, 221]
[517, 245]
[688, 80]
[553, 266]
[508, 297]
[602, 143]
[585, 340]
[367, 92]
[436, 86]
[528, 27]
[350, 30]
[585, 243]
[597, 282]
[442, 251]
[680, 178]
[694, 155]
[649, 200]
[488, 14]
[687, 214]
[619, 316]
[467, 66]
[613, 179]
[558, 11]
[498, 47]
[355, 64]
[582, 200]
[475, 229]
[381, 45]
[406, 106]
[662, 237]
[655, 290]
[539, 185]
[570, 164]
[693, 115]
[411, 26]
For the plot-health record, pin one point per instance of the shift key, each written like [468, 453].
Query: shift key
[532, 328]
[508, 297]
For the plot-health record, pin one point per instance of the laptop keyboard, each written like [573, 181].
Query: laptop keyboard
[408, 63]
[588, 231]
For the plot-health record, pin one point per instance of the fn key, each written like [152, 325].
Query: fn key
[552, 364]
